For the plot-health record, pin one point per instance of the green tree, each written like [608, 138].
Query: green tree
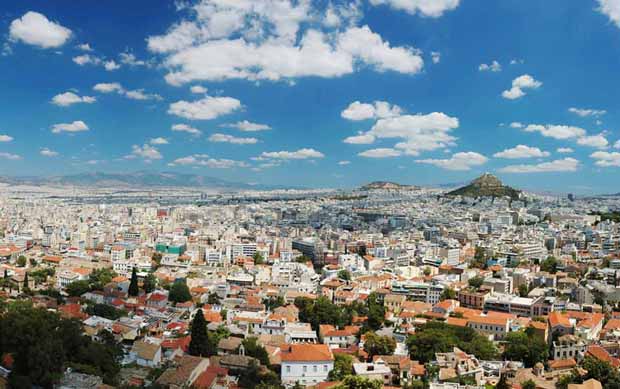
[179, 292]
[525, 346]
[476, 282]
[133, 290]
[258, 258]
[77, 288]
[343, 366]
[502, 383]
[357, 382]
[344, 275]
[213, 299]
[437, 337]
[21, 261]
[549, 265]
[150, 283]
[254, 349]
[26, 284]
[602, 371]
[199, 343]
[379, 345]
[273, 302]
[523, 290]
[448, 294]
[376, 311]
[101, 277]
[529, 384]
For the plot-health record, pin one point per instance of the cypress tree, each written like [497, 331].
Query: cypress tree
[199, 344]
[26, 286]
[133, 284]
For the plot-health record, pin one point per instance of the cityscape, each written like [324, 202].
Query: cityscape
[285, 194]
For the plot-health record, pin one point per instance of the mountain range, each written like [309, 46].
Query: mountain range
[140, 179]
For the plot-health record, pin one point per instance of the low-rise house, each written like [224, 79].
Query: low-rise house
[308, 364]
[184, 372]
[377, 370]
[146, 354]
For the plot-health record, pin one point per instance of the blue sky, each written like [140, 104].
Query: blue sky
[315, 93]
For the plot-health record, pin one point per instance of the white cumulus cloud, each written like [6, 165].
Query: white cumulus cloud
[224, 138]
[462, 161]
[46, 152]
[583, 112]
[521, 151]
[69, 98]
[5, 138]
[611, 8]
[186, 128]
[520, 84]
[76, 126]
[204, 109]
[429, 8]
[492, 67]
[606, 159]
[559, 165]
[35, 29]
[305, 153]
[248, 126]
[362, 111]
[382, 152]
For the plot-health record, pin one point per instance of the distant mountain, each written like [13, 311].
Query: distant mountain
[140, 179]
[386, 185]
[487, 185]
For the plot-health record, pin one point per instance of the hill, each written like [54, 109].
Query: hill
[386, 185]
[487, 185]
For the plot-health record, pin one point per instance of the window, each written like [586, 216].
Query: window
[324, 367]
[288, 369]
[305, 369]
[315, 368]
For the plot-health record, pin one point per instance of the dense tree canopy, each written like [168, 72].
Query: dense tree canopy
[179, 292]
[43, 344]
[343, 366]
[436, 337]
[379, 345]
[526, 346]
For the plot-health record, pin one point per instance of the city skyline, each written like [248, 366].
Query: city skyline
[315, 94]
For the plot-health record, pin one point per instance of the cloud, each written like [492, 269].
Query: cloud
[198, 89]
[305, 153]
[435, 57]
[84, 47]
[146, 152]
[204, 109]
[344, 163]
[186, 128]
[362, 111]
[583, 112]
[5, 138]
[361, 139]
[139, 94]
[559, 165]
[275, 40]
[204, 160]
[611, 8]
[159, 141]
[564, 150]
[108, 87]
[420, 132]
[136, 94]
[223, 138]
[382, 152]
[69, 98]
[76, 126]
[111, 65]
[556, 131]
[606, 159]
[522, 151]
[617, 144]
[516, 125]
[429, 8]
[35, 29]
[519, 84]
[131, 60]
[460, 161]
[87, 59]
[48, 153]
[10, 157]
[492, 67]
[599, 141]
[247, 126]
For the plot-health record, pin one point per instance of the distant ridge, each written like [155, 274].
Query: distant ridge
[487, 185]
[386, 185]
[139, 179]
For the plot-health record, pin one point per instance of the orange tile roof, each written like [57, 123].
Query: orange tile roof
[307, 353]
